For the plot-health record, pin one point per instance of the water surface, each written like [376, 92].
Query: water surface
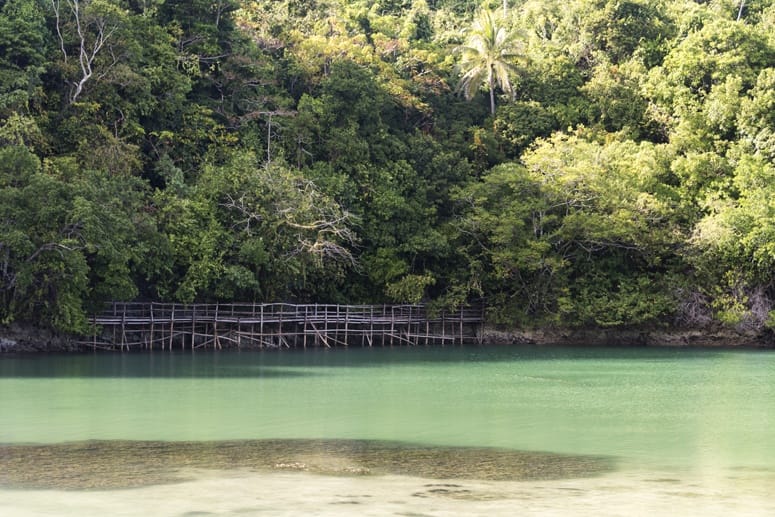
[423, 430]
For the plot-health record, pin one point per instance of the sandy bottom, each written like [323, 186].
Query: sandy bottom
[242, 492]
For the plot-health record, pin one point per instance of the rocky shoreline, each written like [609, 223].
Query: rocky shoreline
[703, 338]
[27, 338]
[20, 338]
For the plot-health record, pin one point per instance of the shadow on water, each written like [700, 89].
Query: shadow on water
[299, 363]
[104, 465]
[200, 365]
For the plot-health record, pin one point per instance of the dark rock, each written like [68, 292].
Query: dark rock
[676, 337]
[27, 338]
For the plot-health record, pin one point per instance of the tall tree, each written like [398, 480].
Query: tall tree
[487, 57]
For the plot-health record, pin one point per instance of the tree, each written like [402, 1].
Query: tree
[581, 233]
[487, 57]
[734, 246]
[253, 232]
[67, 238]
[23, 45]
[93, 24]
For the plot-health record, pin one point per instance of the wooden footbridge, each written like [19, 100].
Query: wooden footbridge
[274, 325]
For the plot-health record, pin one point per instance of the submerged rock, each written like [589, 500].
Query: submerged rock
[105, 465]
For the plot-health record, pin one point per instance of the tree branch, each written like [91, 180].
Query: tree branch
[55, 4]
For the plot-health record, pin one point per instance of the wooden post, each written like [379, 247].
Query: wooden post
[415, 324]
[443, 329]
[371, 325]
[392, 322]
[461, 325]
[253, 324]
[217, 341]
[172, 326]
[361, 328]
[304, 329]
[261, 325]
[280, 327]
[338, 319]
[325, 324]
[409, 326]
[123, 327]
[114, 325]
[481, 327]
[193, 326]
[346, 321]
[152, 321]
[315, 316]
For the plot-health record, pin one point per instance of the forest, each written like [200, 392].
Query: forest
[568, 163]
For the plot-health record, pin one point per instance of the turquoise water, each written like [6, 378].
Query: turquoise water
[681, 414]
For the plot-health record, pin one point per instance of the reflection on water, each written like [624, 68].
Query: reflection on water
[120, 464]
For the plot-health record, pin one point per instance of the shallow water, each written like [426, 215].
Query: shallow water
[404, 431]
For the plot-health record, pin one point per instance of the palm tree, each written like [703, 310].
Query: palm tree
[486, 57]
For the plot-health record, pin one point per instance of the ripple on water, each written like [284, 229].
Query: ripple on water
[103, 465]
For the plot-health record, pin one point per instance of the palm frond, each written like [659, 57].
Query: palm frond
[487, 56]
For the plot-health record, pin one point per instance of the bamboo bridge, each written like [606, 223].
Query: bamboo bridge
[135, 325]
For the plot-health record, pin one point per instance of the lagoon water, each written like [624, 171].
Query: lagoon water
[389, 431]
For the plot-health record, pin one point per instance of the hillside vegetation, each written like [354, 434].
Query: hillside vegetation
[588, 163]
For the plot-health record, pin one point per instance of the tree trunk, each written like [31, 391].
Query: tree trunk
[492, 95]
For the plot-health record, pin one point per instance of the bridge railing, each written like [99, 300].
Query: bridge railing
[156, 312]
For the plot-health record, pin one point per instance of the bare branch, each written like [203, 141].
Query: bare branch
[87, 52]
[55, 4]
[239, 205]
[52, 246]
[320, 227]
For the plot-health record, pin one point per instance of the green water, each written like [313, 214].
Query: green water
[666, 413]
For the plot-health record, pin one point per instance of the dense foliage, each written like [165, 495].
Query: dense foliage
[575, 162]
